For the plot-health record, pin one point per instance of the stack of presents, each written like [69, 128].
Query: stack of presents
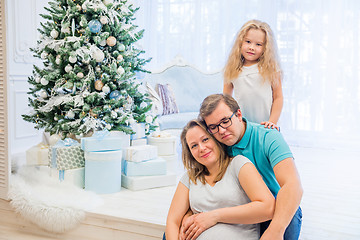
[107, 161]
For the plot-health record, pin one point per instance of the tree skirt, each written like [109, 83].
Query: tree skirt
[52, 205]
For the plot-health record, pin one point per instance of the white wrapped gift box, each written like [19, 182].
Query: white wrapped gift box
[171, 162]
[139, 129]
[38, 155]
[166, 144]
[147, 182]
[74, 176]
[103, 171]
[137, 142]
[151, 167]
[140, 153]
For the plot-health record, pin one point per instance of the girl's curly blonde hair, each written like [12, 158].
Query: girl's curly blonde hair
[268, 63]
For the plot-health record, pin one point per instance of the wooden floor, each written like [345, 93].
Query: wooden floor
[331, 205]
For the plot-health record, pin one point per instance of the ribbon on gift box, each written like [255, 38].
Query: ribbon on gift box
[100, 135]
[61, 175]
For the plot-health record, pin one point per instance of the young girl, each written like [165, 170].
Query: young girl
[253, 73]
[227, 196]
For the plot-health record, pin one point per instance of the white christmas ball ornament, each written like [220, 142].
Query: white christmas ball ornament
[107, 2]
[54, 33]
[103, 43]
[70, 114]
[44, 81]
[80, 75]
[37, 79]
[99, 56]
[54, 139]
[44, 55]
[68, 68]
[103, 20]
[120, 70]
[120, 58]
[106, 89]
[58, 60]
[72, 59]
[43, 94]
[148, 119]
[98, 69]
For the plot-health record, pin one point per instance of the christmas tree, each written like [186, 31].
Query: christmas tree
[88, 81]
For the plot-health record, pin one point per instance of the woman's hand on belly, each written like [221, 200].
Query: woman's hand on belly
[199, 223]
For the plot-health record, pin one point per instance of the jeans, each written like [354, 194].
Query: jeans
[292, 232]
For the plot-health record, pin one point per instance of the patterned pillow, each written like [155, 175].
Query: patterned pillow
[157, 107]
[168, 99]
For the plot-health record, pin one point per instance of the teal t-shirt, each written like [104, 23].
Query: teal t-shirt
[264, 148]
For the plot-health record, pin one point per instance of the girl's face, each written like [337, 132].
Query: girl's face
[253, 46]
[202, 147]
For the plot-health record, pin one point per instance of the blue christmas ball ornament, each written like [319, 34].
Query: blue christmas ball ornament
[115, 95]
[95, 26]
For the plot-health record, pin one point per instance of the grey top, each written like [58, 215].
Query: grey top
[225, 193]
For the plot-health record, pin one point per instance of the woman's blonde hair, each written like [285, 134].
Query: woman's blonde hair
[195, 170]
[268, 63]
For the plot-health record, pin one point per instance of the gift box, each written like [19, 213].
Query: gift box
[140, 153]
[72, 176]
[171, 162]
[137, 142]
[102, 141]
[38, 155]
[103, 171]
[147, 182]
[66, 154]
[139, 129]
[165, 143]
[146, 168]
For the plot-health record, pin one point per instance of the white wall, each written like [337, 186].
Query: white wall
[23, 19]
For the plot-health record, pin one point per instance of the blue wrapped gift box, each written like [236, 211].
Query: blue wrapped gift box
[103, 171]
[102, 143]
[151, 167]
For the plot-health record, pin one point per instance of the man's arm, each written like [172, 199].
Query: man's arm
[287, 200]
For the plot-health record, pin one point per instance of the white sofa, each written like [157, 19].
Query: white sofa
[190, 87]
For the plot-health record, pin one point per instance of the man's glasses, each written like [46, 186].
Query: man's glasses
[225, 123]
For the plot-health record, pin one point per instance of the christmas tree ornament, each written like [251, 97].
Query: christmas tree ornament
[148, 119]
[120, 70]
[69, 85]
[68, 68]
[111, 41]
[120, 58]
[78, 7]
[94, 26]
[72, 59]
[98, 55]
[107, 2]
[104, 20]
[98, 69]
[56, 118]
[121, 47]
[103, 43]
[70, 114]
[114, 115]
[143, 105]
[44, 81]
[115, 95]
[44, 55]
[106, 89]
[54, 34]
[58, 60]
[37, 79]
[80, 75]
[43, 94]
[65, 29]
[99, 85]
[54, 138]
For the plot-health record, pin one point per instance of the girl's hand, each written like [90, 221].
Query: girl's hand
[200, 223]
[269, 124]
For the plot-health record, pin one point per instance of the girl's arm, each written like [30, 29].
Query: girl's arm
[178, 208]
[228, 89]
[260, 209]
[276, 106]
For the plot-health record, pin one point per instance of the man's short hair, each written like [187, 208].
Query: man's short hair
[211, 102]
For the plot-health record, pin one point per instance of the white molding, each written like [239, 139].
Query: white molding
[179, 61]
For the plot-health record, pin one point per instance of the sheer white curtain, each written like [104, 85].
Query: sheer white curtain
[319, 42]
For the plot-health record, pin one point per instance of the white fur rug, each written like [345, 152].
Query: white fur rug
[54, 206]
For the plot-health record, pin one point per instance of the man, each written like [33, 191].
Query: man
[271, 155]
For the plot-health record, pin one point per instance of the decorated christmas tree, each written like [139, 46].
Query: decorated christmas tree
[91, 60]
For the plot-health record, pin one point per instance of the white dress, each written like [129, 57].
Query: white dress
[253, 95]
[225, 193]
